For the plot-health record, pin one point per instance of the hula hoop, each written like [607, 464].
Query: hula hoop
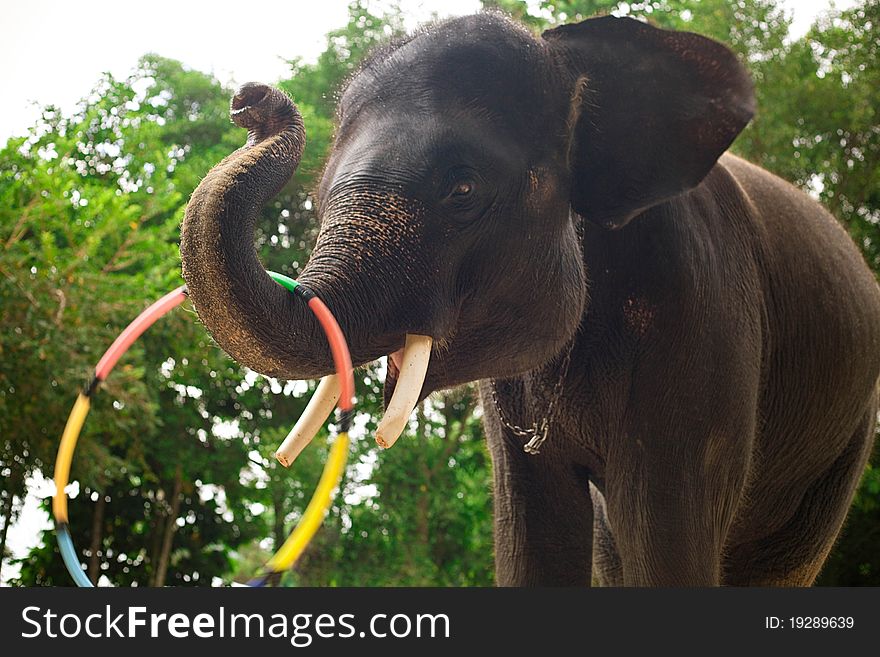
[296, 543]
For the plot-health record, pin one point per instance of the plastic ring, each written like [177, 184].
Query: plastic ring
[293, 547]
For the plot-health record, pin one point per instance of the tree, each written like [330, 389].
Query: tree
[92, 204]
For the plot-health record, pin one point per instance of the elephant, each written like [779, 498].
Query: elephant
[677, 352]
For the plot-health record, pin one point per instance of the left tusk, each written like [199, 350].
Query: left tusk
[413, 368]
[317, 411]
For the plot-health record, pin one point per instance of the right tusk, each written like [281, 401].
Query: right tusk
[413, 368]
[317, 411]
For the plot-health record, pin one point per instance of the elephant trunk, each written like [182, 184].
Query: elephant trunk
[256, 321]
[262, 325]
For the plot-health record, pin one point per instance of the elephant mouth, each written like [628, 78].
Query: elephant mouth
[395, 359]
[406, 371]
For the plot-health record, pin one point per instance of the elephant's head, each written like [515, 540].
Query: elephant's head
[446, 204]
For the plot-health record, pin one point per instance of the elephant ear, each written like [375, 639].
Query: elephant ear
[652, 111]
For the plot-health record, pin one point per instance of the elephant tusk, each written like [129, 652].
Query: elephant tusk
[413, 368]
[317, 411]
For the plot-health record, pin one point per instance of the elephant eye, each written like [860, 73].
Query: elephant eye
[464, 194]
[462, 189]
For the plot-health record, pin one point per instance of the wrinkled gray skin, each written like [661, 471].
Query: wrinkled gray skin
[508, 194]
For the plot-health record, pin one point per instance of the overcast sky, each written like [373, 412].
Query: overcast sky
[53, 52]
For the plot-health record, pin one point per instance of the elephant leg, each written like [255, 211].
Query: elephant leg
[795, 553]
[668, 537]
[677, 466]
[672, 504]
[543, 518]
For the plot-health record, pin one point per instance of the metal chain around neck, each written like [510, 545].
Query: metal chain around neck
[539, 430]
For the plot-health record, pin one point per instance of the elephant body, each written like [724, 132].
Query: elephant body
[740, 313]
[557, 218]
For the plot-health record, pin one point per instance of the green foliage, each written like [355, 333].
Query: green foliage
[91, 209]
[426, 521]
[319, 84]
[818, 125]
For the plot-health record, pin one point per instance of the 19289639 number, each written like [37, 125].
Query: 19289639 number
[821, 622]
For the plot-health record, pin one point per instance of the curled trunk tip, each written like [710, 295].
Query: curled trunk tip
[264, 111]
[249, 315]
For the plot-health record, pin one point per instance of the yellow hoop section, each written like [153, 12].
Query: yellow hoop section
[313, 516]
